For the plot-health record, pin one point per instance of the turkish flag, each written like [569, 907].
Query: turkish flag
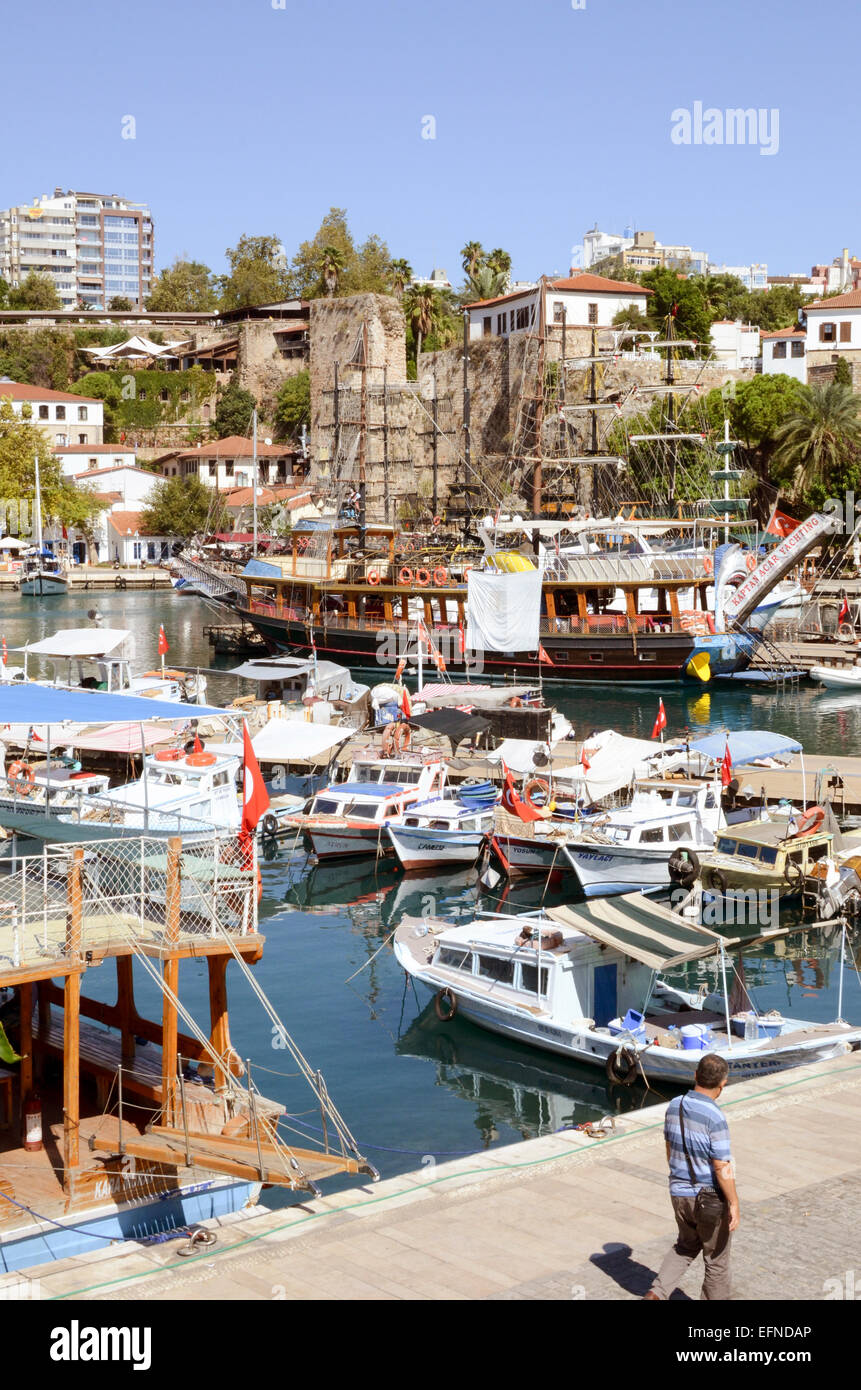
[198, 746]
[543, 657]
[842, 617]
[255, 798]
[661, 721]
[780, 524]
[512, 803]
[461, 639]
[726, 768]
[163, 647]
[406, 706]
[5, 653]
[584, 761]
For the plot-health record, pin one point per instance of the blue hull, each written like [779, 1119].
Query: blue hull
[151, 1217]
[726, 650]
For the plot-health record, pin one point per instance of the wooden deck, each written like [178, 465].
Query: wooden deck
[564, 1217]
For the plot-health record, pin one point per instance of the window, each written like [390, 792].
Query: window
[43, 412]
[828, 332]
[797, 349]
[653, 836]
[92, 463]
[454, 959]
[486, 326]
[228, 470]
[725, 846]
[593, 313]
[558, 311]
[502, 323]
[767, 855]
[647, 656]
[136, 550]
[779, 350]
[682, 831]
[82, 412]
[846, 332]
[326, 808]
[529, 978]
[82, 439]
[747, 851]
[60, 412]
[492, 968]
[596, 657]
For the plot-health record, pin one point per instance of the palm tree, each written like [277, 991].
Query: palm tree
[331, 262]
[815, 438]
[499, 261]
[421, 307]
[401, 272]
[487, 283]
[473, 256]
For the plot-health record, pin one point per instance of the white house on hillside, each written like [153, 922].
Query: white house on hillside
[833, 329]
[784, 353]
[64, 418]
[579, 301]
[735, 344]
[80, 458]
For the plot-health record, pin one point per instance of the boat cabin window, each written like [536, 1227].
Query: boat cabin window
[221, 779]
[324, 807]
[686, 799]
[439, 825]
[681, 831]
[817, 852]
[618, 833]
[411, 820]
[653, 836]
[455, 958]
[529, 978]
[493, 968]
[364, 811]
[407, 776]
[710, 800]
[746, 851]
[767, 855]
[726, 846]
[366, 773]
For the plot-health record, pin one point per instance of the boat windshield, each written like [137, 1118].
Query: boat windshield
[725, 846]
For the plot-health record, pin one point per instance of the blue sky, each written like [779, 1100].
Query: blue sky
[256, 119]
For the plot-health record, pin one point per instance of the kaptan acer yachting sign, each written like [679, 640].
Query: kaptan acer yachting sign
[773, 568]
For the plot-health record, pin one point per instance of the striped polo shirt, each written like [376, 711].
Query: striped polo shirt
[707, 1138]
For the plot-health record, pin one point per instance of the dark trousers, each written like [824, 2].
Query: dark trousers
[711, 1237]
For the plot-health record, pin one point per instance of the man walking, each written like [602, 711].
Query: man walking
[702, 1188]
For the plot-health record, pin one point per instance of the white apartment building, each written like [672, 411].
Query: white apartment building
[639, 250]
[580, 301]
[94, 247]
[784, 353]
[753, 276]
[62, 416]
[735, 344]
[76, 459]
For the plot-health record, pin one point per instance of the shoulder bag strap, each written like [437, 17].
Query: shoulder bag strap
[684, 1144]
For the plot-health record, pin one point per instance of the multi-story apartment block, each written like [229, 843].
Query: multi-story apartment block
[94, 247]
[639, 250]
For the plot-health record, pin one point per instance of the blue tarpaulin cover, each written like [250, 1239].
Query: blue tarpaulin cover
[746, 746]
[25, 702]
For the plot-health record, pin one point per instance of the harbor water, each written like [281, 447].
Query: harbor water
[413, 1090]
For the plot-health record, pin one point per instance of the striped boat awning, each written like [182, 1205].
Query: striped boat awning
[640, 928]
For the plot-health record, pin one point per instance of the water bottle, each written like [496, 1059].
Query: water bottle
[751, 1028]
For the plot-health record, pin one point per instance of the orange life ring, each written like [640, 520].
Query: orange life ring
[390, 735]
[200, 760]
[373, 576]
[437, 521]
[403, 737]
[536, 784]
[440, 576]
[515, 702]
[405, 577]
[751, 563]
[810, 822]
[423, 582]
[168, 755]
[708, 564]
[20, 778]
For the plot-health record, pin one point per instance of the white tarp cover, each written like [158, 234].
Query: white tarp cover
[518, 754]
[503, 611]
[289, 740]
[81, 642]
[613, 760]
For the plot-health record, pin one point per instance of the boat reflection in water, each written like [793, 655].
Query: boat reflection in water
[510, 1086]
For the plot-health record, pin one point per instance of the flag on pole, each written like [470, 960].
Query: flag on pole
[399, 670]
[842, 617]
[661, 721]
[255, 798]
[461, 639]
[543, 657]
[5, 653]
[726, 767]
[584, 761]
[406, 706]
[163, 646]
[198, 746]
[512, 803]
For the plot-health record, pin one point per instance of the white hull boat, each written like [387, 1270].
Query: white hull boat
[837, 677]
[439, 834]
[44, 583]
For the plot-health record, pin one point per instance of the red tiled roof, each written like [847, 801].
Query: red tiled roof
[128, 521]
[23, 391]
[785, 333]
[244, 496]
[598, 284]
[92, 448]
[851, 300]
[117, 468]
[233, 447]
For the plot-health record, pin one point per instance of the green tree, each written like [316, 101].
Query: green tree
[293, 406]
[421, 308]
[486, 283]
[358, 270]
[4, 292]
[258, 274]
[842, 373]
[401, 273]
[775, 308]
[119, 304]
[726, 296]
[233, 410]
[21, 443]
[682, 301]
[186, 287]
[35, 292]
[184, 507]
[817, 439]
[632, 317]
[472, 257]
[333, 232]
[499, 261]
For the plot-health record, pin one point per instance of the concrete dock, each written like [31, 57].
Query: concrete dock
[100, 577]
[562, 1217]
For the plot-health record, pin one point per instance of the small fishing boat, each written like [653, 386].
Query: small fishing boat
[98, 658]
[778, 854]
[587, 981]
[42, 576]
[838, 677]
[192, 794]
[436, 834]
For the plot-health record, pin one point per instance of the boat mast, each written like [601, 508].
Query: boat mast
[38, 508]
[254, 473]
[537, 474]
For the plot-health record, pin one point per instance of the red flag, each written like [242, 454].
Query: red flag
[543, 657]
[255, 798]
[512, 803]
[461, 639]
[5, 653]
[780, 524]
[163, 647]
[726, 768]
[661, 721]
[842, 617]
[399, 671]
[584, 761]
[406, 706]
[198, 746]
